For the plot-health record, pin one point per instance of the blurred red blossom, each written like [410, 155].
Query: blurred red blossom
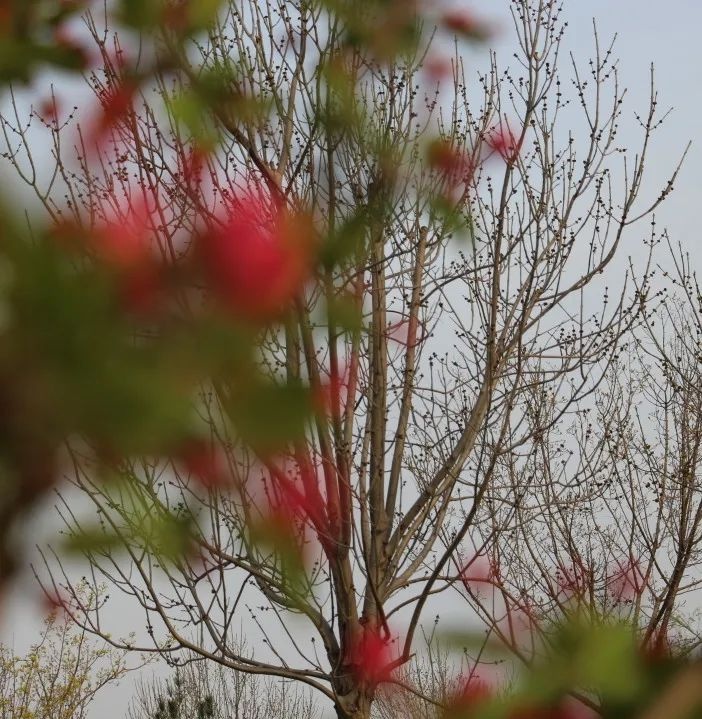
[123, 243]
[522, 616]
[505, 143]
[454, 163]
[406, 333]
[193, 161]
[463, 22]
[47, 110]
[115, 103]
[437, 67]
[573, 581]
[369, 656]
[479, 570]
[331, 395]
[290, 491]
[258, 258]
[204, 463]
[473, 693]
[295, 499]
[626, 580]
[54, 602]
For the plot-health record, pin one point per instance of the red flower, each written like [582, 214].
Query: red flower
[474, 693]
[627, 581]
[455, 164]
[437, 67]
[48, 110]
[465, 23]
[123, 239]
[296, 491]
[504, 143]
[332, 394]
[124, 247]
[55, 603]
[259, 259]
[283, 519]
[116, 102]
[479, 570]
[369, 657]
[203, 463]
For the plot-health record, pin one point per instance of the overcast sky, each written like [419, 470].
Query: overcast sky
[665, 33]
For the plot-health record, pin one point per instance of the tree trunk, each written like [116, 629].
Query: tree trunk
[354, 703]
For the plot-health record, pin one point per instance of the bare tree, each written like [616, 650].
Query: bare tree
[610, 524]
[201, 689]
[442, 404]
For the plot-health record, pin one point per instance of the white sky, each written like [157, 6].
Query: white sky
[665, 33]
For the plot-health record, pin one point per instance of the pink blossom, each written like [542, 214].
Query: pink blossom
[331, 396]
[369, 657]
[123, 244]
[48, 110]
[258, 260]
[479, 570]
[626, 581]
[116, 102]
[573, 581]
[465, 23]
[437, 67]
[503, 141]
[473, 693]
[454, 163]
[203, 462]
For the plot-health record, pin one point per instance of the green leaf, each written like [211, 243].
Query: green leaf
[343, 313]
[608, 660]
[92, 538]
[170, 536]
[269, 416]
[347, 241]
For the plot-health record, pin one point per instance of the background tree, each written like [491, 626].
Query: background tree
[202, 689]
[610, 523]
[339, 481]
[61, 674]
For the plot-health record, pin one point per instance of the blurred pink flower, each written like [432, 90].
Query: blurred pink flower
[467, 700]
[116, 102]
[202, 462]
[123, 243]
[463, 22]
[437, 67]
[259, 259]
[503, 141]
[400, 331]
[479, 570]
[454, 163]
[330, 398]
[369, 656]
[47, 110]
[626, 581]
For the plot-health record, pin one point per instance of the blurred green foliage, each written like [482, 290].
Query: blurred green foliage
[75, 364]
